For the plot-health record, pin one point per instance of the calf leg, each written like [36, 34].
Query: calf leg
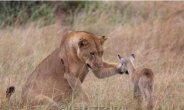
[137, 95]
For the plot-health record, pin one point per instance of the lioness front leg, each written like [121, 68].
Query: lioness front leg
[76, 86]
[108, 69]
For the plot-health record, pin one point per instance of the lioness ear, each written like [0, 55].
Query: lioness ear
[103, 39]
[132, 57]
[83, 43]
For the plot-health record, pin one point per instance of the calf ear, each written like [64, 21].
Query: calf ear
[123, 60]
[132, 57]
[83, 43]
[119, 57]
[103, 39]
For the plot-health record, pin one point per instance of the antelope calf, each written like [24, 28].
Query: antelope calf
[141, 80]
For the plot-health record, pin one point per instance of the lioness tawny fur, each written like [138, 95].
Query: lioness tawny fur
[61, 74]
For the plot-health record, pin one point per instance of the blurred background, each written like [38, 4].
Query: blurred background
[153, 31]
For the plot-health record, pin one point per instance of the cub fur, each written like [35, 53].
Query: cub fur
[141, 80]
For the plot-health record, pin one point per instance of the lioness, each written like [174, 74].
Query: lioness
[140, 79]
[62, 72]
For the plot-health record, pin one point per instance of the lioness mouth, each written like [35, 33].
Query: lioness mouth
[89, 65]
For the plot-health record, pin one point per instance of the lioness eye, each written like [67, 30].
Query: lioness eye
[93, 54]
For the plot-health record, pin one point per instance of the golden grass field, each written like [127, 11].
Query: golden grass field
[153, 31]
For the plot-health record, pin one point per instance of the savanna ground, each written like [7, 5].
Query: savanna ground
[153, 31]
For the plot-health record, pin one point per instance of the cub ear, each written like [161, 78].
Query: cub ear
[82, 43]
[132, 57]
[103, 39]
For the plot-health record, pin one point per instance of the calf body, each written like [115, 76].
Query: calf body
[141, 80]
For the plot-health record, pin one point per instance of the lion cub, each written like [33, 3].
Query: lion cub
[141, 80]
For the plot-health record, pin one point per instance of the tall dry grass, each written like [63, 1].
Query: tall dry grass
[153, 31]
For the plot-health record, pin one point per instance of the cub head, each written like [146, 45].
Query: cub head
[90, 50]
[126, 63]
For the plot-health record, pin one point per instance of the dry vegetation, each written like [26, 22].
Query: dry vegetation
[153, 31]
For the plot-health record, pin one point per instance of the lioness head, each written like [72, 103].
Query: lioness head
[126, 63]
[91, 50]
